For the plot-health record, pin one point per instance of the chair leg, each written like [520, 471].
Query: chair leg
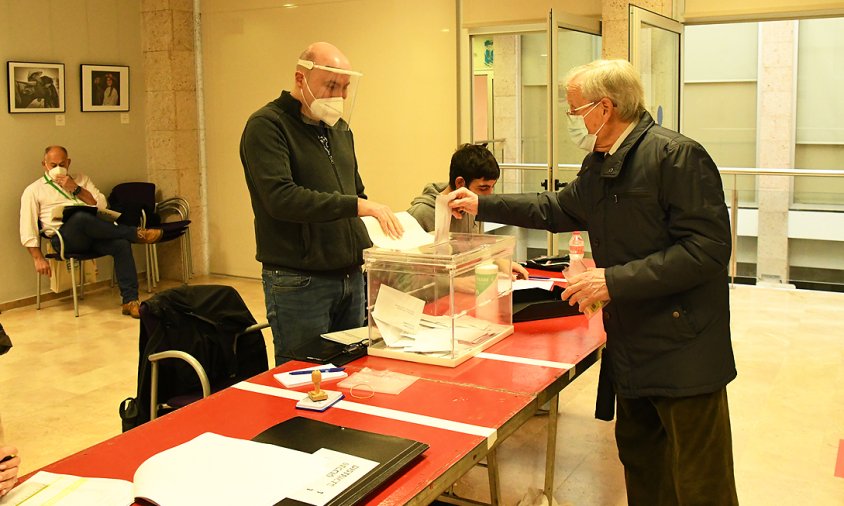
[185, 267]
[156, 276]
[73, 284]
[82, 279]
[147, 249]
[37, 290]
[190, 253]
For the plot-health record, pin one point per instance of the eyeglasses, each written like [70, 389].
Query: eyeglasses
[572, 112]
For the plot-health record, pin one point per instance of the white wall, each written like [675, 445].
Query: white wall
[405, 119]
[70, 32]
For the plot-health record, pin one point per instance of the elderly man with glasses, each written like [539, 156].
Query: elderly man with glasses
[654, 207]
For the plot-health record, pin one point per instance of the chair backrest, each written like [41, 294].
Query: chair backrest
[132, 198]
[203, 320]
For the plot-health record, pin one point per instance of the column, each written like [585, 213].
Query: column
[775, 145]
[172, 129]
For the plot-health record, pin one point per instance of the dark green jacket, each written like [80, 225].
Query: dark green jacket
[304, 201]
[658, 224]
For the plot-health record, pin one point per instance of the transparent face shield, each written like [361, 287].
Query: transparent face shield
[329, 93]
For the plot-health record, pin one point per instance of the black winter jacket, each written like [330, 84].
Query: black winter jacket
[305, 201]
[658, 224]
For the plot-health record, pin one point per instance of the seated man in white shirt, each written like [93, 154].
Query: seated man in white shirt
[82, 232]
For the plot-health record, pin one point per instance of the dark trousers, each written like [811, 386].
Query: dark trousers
[85, 233]
[677, 451]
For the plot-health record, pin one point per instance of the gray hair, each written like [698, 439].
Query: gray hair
[614, 79]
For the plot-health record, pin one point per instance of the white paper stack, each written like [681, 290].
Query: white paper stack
[295, 380]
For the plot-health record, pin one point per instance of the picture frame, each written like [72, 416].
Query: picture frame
[35, 87]
[104, 88]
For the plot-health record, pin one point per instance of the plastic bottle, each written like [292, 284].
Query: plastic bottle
[486, 290]
[576, 266]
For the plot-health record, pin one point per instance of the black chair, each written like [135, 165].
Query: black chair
[74, 260]
[136, 202]
[194, 340]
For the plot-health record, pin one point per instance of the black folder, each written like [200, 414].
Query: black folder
[538, 304]
[307, 435]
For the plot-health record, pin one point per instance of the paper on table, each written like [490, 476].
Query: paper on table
[414, 236]
[192, 472]
[394, 308]
[442, 219]
[524, 284]
[347, 337]
[342, 471]
[295, 380]
[49, 488]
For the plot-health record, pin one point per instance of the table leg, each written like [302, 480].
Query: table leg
[551, 448]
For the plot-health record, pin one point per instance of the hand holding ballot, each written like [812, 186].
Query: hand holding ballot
[461, 201]
[390, 224]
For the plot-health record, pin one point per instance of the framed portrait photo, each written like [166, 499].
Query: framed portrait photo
[104, 88]
[35, 87]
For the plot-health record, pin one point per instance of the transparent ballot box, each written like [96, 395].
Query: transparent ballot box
[440, 304]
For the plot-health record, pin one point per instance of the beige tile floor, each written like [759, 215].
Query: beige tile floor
[61, 384]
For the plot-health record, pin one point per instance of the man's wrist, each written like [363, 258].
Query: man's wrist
[77, 190]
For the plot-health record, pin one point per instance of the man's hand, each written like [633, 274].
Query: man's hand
[8, 469]
[389, 222]
[519, 272]
[42, 266]
[586, 288]
[462, 201]
[66, 182]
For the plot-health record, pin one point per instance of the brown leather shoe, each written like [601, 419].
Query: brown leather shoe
[149, 235]
[132, 308]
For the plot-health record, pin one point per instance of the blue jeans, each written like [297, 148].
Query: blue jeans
[85, 233]
[302, 306]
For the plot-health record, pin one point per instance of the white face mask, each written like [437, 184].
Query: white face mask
[329, 110]
[578, 132]
[58, 171]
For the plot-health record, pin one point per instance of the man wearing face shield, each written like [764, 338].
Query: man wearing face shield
[307, 196]
[654, 207]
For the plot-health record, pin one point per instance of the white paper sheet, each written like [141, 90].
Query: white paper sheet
[396, 313]
[196, 472]
[524, 284]
[442, 219]
[414, 236]
[295, 380]
[51, 488]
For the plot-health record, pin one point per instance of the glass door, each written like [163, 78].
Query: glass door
[655, 48]
[515, 111]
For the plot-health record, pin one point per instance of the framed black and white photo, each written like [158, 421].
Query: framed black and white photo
[104, 88]
[35, 87]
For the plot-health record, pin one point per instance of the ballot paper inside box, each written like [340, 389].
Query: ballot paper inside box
[441, 303]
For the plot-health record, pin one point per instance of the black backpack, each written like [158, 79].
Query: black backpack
[205, 321]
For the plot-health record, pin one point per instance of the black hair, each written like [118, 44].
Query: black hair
[472, 161]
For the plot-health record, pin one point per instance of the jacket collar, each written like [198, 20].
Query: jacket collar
[288, 104]
[611, 166]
